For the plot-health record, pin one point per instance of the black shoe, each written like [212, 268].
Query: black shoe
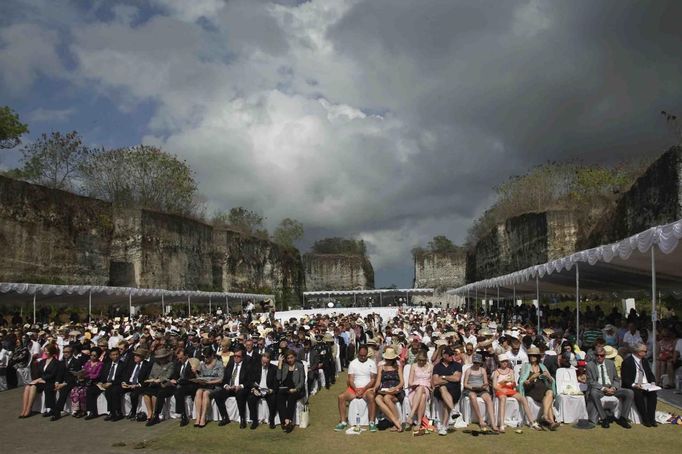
[254, 424]
[653, 424]
[605, 423]
[91, 416]
[109, 417]
[116, 417]
[154, 421]
[224, 421]
[45, 415]
[132, 415]
[624, 423]
[184, 420]
[55, 417]
[272, 424]
[242, 424]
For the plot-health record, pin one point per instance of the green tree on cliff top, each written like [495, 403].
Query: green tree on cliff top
[55, 161]
[242, 219]
[288, 231]
[11, 129]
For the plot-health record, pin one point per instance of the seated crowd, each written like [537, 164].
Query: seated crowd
[436, 362]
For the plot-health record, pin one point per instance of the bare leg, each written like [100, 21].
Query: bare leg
[198, 399]
[343, 398]
[371, 406]
[473, 400]
[205, 405]
[502, 409]
[547, 406]
[526, 408]
[422, 407]
[414, 401]
[491, 411]
[390, 402]
[148, 405]
[448, 405]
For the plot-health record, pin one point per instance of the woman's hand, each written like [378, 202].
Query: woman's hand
[292, 390]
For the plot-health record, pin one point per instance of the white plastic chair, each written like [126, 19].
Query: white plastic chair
[570, 408]
[465, 405]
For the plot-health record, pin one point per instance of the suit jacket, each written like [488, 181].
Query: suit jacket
[298, 377]
[65, 369]
[118, 377]
[271, 379]
[593, 374]
[314, 357]
[50, 372]
[183, 376]
[629, 372]
[243, 373]
[253, 360]
[145, 368]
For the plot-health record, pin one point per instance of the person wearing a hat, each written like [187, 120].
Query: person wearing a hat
[476, 385]
[389, 388]
[327, 350]
[157, 387]
[602, 380]
[537, 383]
[136, 373]
[504, 384]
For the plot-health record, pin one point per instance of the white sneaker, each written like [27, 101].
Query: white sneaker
[443, 430]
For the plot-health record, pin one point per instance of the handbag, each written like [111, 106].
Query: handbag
[305, 417]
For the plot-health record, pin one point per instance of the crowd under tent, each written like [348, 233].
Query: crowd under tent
[376, 294]
[646, 263]
[78, 295]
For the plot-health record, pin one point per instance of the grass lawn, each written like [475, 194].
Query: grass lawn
[320, 437]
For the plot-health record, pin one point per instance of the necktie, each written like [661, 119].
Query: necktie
[639, 374]
[182, 369]
[136, 372]
[234, 375]
[112, 373]
[603, 378]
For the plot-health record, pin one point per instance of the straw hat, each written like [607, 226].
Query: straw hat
[390, 353]
[328, 337]
[534, 351]
[502, 357]
[440, 342]
[611, 352]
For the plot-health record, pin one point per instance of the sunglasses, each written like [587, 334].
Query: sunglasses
[600, 356]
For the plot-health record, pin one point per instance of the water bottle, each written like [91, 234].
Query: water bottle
[357, 422]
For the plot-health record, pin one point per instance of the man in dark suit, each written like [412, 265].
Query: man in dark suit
[66, 381]
[263, 385]
[251, 354]
[312, 356]
[135, 374]
[603, 380]
[235, 384]
[109, 381]
[183, 387]
[637, 376]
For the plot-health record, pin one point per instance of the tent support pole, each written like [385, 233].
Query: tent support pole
[476, 301]
[209, 306]
[381, 299]
[498, 300]
[537, 294]
[514, 302]
[130, 305]
[189, 306]
[163, 306]
[355, 299]
[485, 301]
[467, 303]
[577, 303]
[654, 315]
[90, 306]
[34, 308]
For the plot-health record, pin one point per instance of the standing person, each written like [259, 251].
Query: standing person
[446, 378]
[638, 377]
[291, 378]
[312, 357]
[476, 385]
[362, 374]
[666, 358]
[602, 380]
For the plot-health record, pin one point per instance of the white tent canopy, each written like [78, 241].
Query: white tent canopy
[385, 292]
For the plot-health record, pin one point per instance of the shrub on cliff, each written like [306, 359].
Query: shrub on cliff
[11, 129]
[339, 246]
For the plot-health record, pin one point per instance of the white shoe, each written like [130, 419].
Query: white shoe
[443, 430]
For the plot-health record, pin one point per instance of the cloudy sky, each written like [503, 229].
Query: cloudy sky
[389, 120]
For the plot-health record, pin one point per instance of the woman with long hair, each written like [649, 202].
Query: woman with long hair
[420, 389]
[389, 388]
[537, 383]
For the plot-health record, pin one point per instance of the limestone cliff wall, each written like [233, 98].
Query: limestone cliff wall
[654, 199]
[57, 237]
[440, 269]
[523, 241]
[337, 272]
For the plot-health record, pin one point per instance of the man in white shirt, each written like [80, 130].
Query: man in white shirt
[632, 336]
[362, 374]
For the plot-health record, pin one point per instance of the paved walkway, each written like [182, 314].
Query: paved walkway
[68, 435]
[672, 397]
